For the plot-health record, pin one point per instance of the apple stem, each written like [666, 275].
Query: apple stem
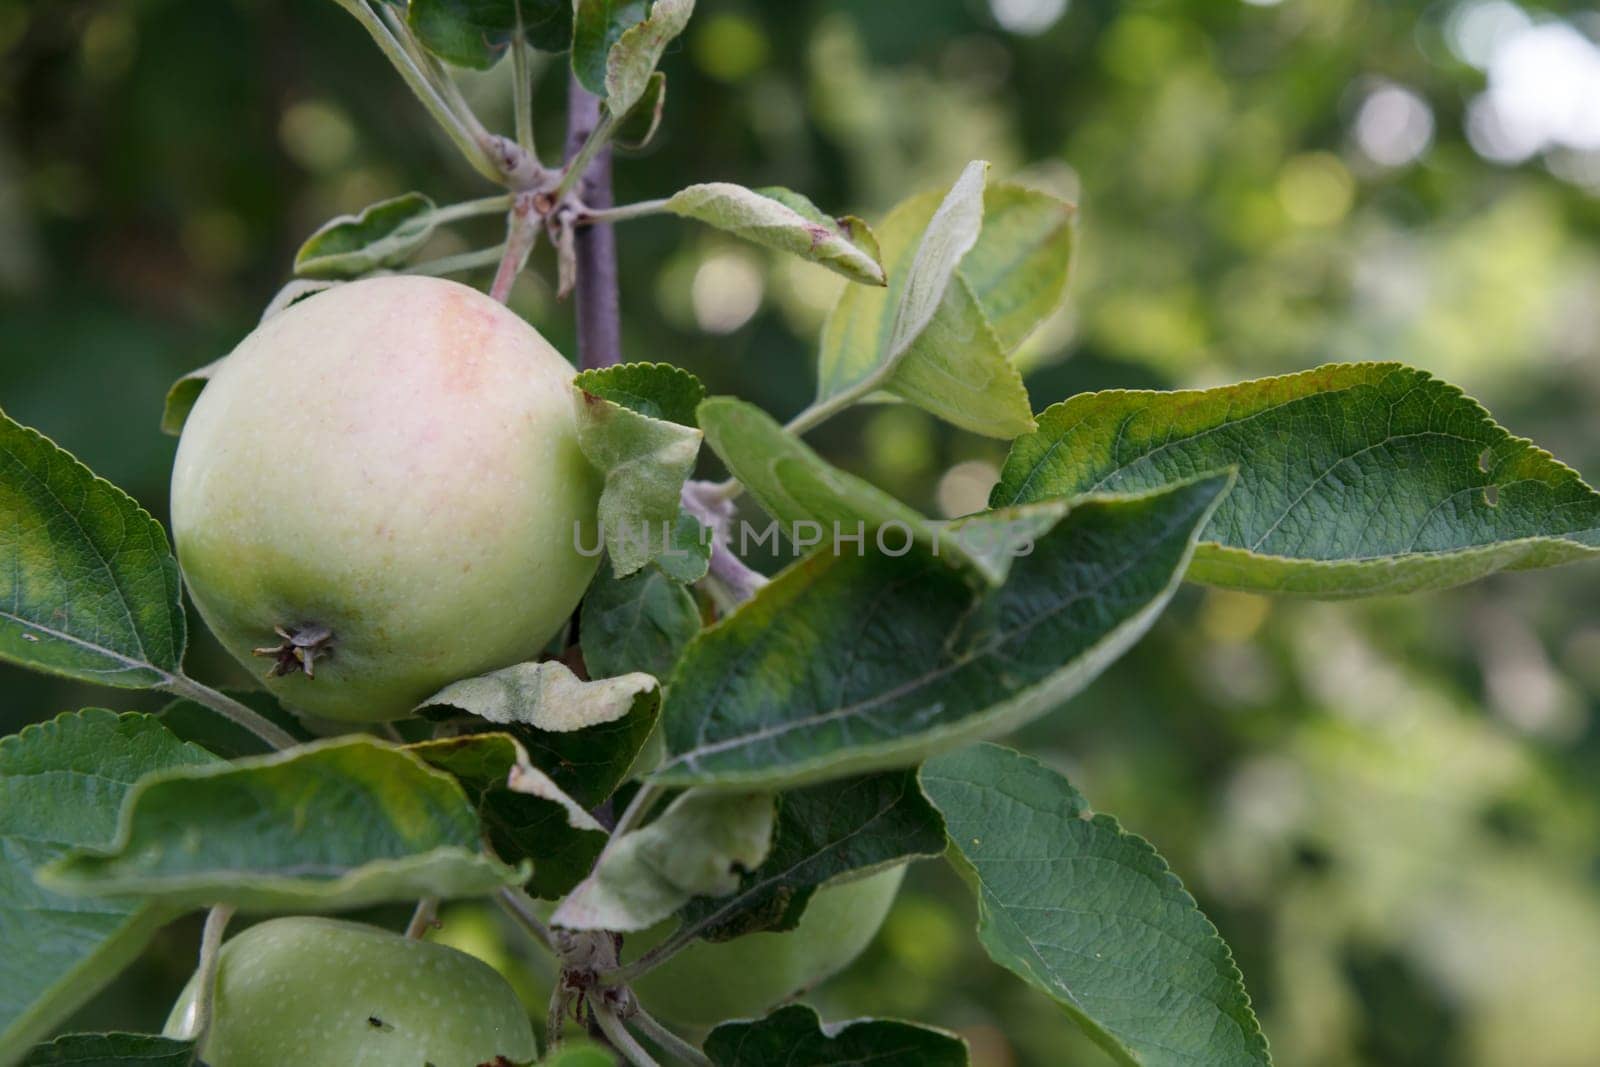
[206, 976]
[239, 714]
[599, 308]
[424, 918]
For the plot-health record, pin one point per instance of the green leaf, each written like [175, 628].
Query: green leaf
[1018, 269]
[796, 486]
[384, 234]
[476, 33]
[638, 623]
[1354, 480]
[636, 50]
[825, 832]
[61, 785]
[635, 424]
[785, 221]
[796, 1036]
[698, 847]
[112, 1050]
[527, 814]
[1090, 915]
[88, 585]
[330, 826]
[926, 337]
[846, 664]
[636, 129]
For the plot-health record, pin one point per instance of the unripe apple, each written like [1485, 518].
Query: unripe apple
[378, 490]
[710, 982]
[324, 993]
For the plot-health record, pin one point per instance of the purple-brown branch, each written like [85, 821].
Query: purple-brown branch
[599, 312]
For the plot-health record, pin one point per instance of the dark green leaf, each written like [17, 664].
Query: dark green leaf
[476, 33]
[329, 826]
[527, 815]
[61, 786]
[638, 623]
[1090, 915]
[845, 664]
[1354, 480]
[851, 827]
[597, 26]
[796, 1037]
[88, 584]
[112, 1050]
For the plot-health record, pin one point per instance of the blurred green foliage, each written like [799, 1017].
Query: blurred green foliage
[1391, 809]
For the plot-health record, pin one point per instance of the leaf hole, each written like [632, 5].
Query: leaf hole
[1491, 495]
[1485, 460]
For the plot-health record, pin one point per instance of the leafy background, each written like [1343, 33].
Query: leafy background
[1391, 809]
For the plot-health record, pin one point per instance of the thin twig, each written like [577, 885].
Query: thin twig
[522, 86]
[517, 904]
[669, 1042]
[598, 310]
[238, 714]
[467, 209]
[485, 257]
[628, 973]
[619, 1037]
[205, 994]
[426, 90]
[522, 233]
[596, 217]
[424, 918]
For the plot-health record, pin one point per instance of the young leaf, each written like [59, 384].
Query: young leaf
[633, 58]
[1090, 915]
[88, 585]
[181, 397]
[796, 1036]
[798, 487]
[785, 221]
[698, 847]
[61, 785]
[326, 827]
[476, 33]
[527, 814]
[546, 696]
[385, 234]
[112, 1050]
[825, 832]
[1018, 269]
[635, 424]
[845, 664]
[638, 623]
[597, 26]
[635, 130]
[926, 337]
[1354, 480]
[584, 735]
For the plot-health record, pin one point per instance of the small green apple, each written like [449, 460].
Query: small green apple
[710, 982]
[381, 488]
[324, 993]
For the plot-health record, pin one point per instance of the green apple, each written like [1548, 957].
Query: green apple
[324, 993]
[381, 489]
[710, 982]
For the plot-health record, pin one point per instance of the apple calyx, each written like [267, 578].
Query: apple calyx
[299, 649]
